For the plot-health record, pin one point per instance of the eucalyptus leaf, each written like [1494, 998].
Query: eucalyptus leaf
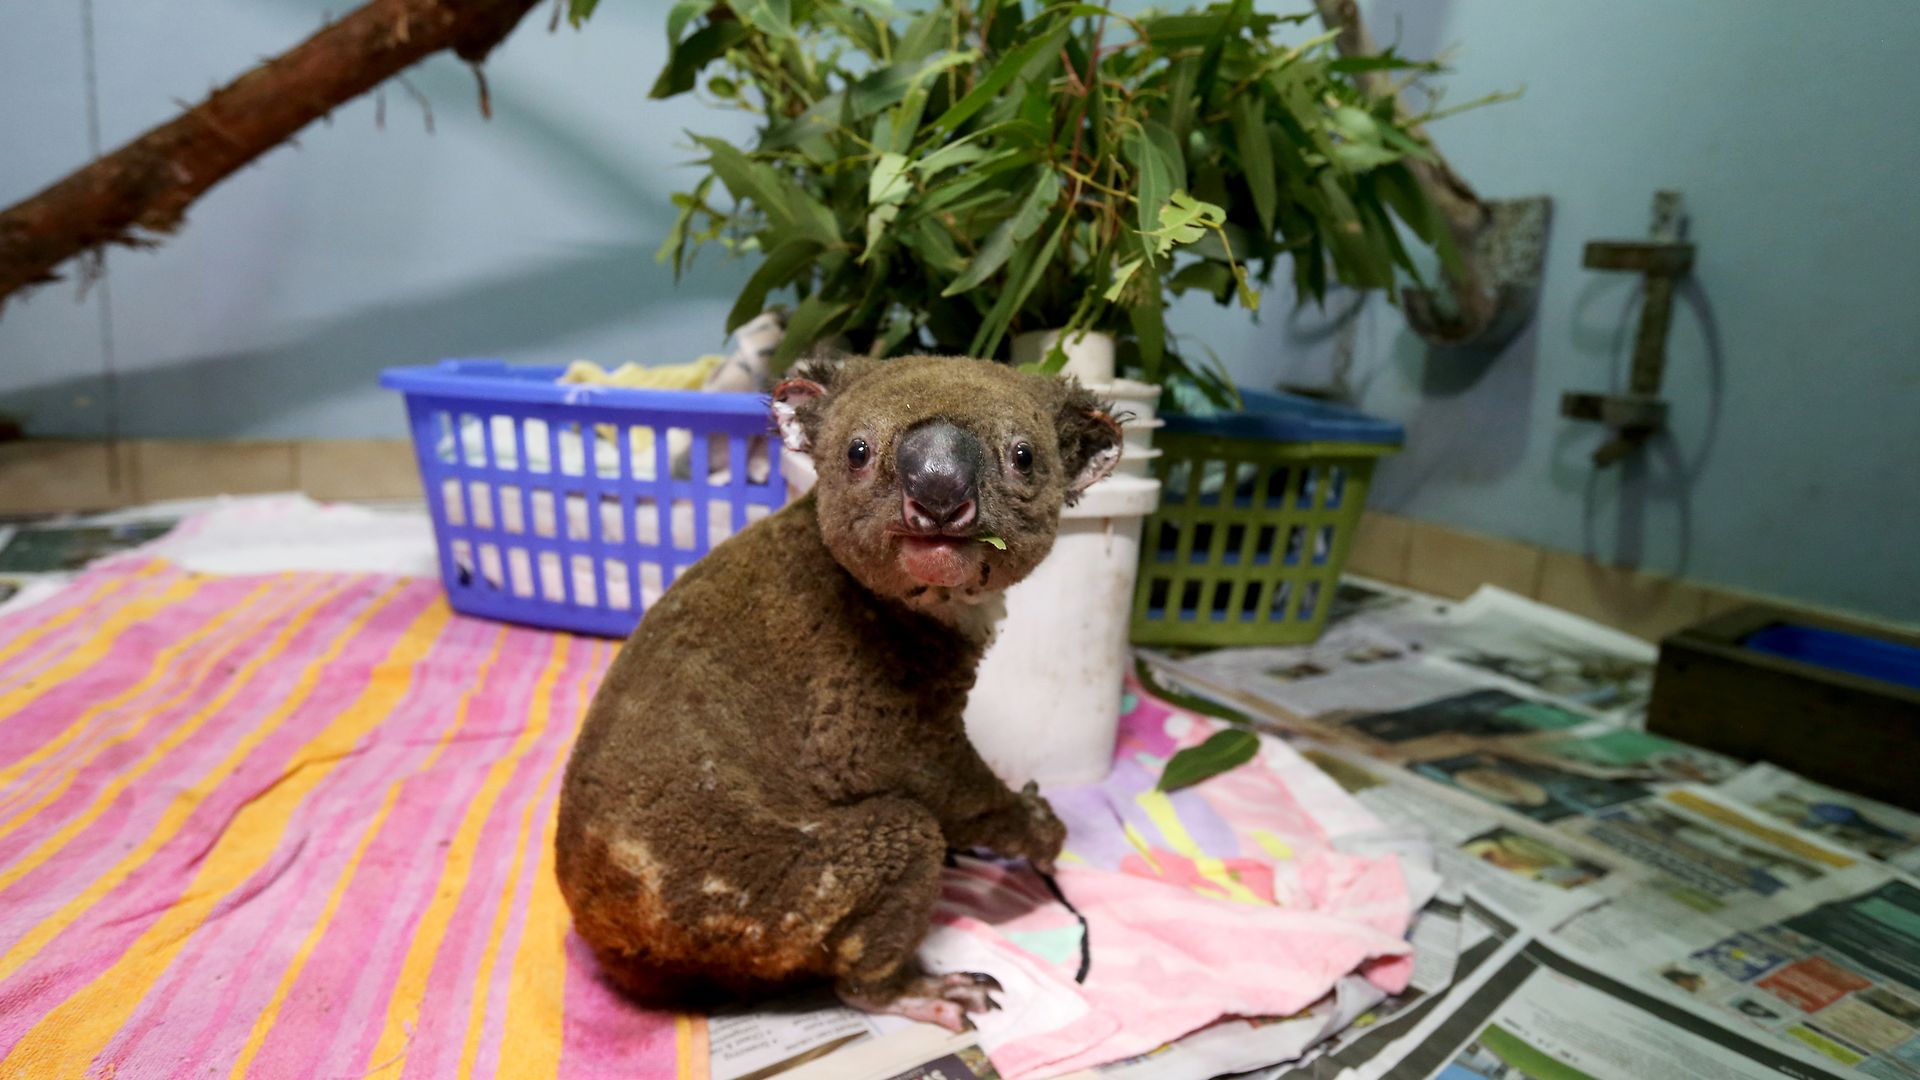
[815, 318]
[1222, 751]
[999, 76]
[987, 340]
[677, 19]
[691, 56]
[776, 270]
[771, 17]
[999, 246]
[889, 183]
[1256, 155]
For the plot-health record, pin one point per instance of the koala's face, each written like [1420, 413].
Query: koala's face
[943, 473]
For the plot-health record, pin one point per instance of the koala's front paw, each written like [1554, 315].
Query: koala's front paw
[1040, 834]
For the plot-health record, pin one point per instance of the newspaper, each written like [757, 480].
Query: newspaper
[66, 549]
[1884, 832]
[1535, 1012]
[773, 1039]
[1674, 911]
[1499, 856]
[1526, 643]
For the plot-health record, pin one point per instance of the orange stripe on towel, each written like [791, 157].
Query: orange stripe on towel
[389, 1055]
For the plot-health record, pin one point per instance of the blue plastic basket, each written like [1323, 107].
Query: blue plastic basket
[573, 507]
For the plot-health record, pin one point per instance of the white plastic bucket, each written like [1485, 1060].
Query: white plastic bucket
[1046, 704]
[1089, 353]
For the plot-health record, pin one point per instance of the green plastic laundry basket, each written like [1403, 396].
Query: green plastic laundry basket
[1257, 512]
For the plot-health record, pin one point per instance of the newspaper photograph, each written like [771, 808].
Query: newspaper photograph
[1634, 754]
[1359, 597]
[1458, 723]
[1884, 832]
[1534, 789]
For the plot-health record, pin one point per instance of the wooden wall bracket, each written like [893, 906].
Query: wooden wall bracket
[1664, 258]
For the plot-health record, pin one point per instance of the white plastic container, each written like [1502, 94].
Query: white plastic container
[1046, 704]
[1089, 353]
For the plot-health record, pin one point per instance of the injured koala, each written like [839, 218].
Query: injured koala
[767, 784]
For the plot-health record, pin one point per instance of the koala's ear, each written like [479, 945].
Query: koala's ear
[800, 400]
[1089, 437]
[790, 399]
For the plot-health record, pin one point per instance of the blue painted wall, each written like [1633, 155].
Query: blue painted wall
[1794, 382]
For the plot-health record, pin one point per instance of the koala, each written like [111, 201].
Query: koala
[769, 779]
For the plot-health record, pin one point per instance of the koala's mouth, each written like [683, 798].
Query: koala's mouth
[940, 559]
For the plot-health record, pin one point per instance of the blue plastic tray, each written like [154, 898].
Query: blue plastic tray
[1290, 418]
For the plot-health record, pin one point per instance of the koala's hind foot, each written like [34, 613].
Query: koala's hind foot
[933, 999]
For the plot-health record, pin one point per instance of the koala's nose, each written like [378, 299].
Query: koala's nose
[939, 475]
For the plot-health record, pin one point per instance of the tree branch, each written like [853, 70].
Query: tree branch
[1467, 215]
[145, 187]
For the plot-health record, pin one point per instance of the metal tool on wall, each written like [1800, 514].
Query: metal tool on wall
[1664, 258]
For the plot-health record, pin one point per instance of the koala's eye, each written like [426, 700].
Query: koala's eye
[858, 453]
[1022, 457]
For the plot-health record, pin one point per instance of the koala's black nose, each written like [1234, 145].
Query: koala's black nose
[939, 475]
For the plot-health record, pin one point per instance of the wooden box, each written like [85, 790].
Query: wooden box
[1848, 730]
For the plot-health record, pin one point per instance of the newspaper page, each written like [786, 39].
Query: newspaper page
[1536, 1013]
[1371, 1039]
[1885, 832]
[1807, 944]
[1524, 868]
[67, 549]
[774, 1038]
[1353, 669]
[908, 1052]
[1526, 643]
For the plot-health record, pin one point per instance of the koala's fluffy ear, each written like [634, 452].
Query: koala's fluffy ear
[800, 400]
[1089, 437]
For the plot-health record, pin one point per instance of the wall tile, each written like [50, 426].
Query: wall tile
[1644, 605]
[55, 476]
[193, 468]
[357, 469]
[1451, 563]
[1380, 548]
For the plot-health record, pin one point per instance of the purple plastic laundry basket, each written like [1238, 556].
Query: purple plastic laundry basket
[573, 507]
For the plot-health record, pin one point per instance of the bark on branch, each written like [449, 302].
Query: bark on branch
[145, 187]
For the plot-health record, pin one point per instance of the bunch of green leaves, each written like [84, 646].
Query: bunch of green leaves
[944, 178]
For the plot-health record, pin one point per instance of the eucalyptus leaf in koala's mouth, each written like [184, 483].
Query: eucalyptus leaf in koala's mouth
[950, 561]
[994, 542]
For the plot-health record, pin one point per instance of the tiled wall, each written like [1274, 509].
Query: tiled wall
[56, 476]
[1451, 563]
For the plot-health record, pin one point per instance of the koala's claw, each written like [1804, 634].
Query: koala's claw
[980, 978]
[937, 999]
